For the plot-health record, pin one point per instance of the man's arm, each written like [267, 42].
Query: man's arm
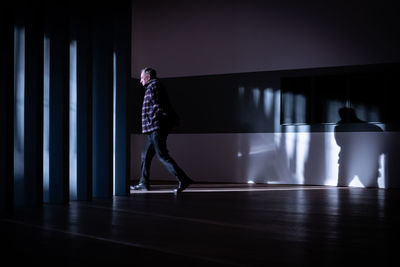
[155, 104]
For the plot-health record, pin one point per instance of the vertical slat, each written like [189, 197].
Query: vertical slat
[102, 102]
[6, 111]
[57, 31]
[81, 32]
[122, 51]
[33, 156]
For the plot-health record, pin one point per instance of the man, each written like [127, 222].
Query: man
[158, 118]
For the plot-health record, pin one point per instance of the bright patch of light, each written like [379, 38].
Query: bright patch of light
[381, 179]
[114, 112]
[356, 182]
[290, 141]
[19, 110]
[261, 149]
[277, 139]
[72, 120]
[277, 111]
[287, 109]
[46, 117]
[302, 149]
[239, 154]
[256, 96]
[331, 159]
[268, 101]
[300, 108]
[295, 108]
[250, 182]
[273, 182]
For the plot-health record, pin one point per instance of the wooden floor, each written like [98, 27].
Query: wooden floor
[212, 225]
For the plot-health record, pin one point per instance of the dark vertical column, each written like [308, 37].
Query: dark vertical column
[81, 25]
[102, 101]
[6, 111]
[57, 30]
[33, 147]
[122, 50]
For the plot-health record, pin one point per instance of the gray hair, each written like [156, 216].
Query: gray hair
[150, 71]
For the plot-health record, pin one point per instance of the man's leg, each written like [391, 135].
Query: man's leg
[159, 139]
[146, 158]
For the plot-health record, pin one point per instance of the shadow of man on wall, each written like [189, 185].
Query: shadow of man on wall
[360, 149]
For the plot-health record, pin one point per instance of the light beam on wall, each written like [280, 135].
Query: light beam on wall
[268, 101]
[300, 107]
[302, 151]
[382, 171]
[331, 159]
[277, 111]
[256, 97]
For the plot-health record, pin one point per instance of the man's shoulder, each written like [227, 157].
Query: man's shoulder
[152, 86]
[154, 83]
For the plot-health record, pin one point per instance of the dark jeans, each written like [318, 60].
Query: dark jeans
[156, 144]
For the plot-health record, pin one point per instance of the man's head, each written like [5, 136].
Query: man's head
[146, 75]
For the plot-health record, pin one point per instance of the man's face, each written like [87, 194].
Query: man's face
[144, 78]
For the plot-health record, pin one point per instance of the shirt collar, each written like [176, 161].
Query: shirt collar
[150, 82]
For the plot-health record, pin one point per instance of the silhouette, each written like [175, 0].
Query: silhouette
[360, 148]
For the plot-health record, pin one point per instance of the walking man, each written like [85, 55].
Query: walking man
[158, 118]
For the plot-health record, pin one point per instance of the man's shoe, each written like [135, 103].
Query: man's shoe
[140, 187]
[183, 185]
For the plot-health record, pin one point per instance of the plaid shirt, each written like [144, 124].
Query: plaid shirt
[151, 109]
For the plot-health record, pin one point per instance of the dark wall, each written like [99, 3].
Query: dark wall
[258, 101]
[190, 38]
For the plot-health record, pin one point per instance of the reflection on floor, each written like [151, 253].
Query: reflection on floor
[212, 225]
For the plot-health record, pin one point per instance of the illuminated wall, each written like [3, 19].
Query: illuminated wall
[232, 128]
[231, 131]
[282, 158]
